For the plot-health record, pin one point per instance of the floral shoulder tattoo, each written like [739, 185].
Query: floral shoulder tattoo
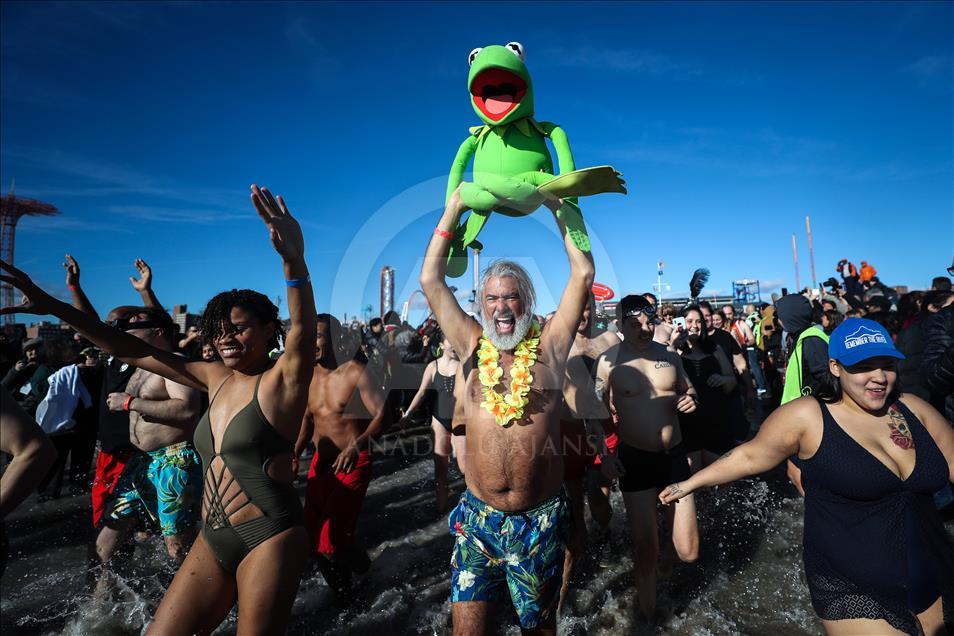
[899, 430]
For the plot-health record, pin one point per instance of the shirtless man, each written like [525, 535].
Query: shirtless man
[579, 403]
[160, 416]
[345, 413]
[647, 387]
[512, 523]
[164, 482]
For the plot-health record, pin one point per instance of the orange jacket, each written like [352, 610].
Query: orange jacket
[867, 272]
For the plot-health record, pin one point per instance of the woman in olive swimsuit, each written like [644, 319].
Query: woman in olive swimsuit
[877, 558]
[253, 544]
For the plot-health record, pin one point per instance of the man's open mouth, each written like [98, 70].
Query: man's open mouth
[505, 325]
[496, 92]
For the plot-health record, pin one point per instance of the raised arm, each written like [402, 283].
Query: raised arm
[143, 284]
[78, 296]
[779, 437]
[288, 381]
[113, 341]
[462, 332]
[561, 329]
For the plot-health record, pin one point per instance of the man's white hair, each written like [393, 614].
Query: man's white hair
[504, 268]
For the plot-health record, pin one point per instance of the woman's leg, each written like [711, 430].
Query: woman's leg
[856, 626]
[932, 620]
[442, 450]
[200, 597]
[268, 579]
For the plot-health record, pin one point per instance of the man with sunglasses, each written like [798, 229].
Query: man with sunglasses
[164, 482]
[646, 386]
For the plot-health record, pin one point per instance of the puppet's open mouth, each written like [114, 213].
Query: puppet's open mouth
[497, 91]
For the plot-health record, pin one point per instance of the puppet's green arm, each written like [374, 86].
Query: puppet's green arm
[464, 153]
[562, 146]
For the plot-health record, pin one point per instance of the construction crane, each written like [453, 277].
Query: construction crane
[12, 208]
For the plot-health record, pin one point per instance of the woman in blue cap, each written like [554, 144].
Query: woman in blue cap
[876, 555]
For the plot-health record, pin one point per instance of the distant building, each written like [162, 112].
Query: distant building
[49, 330]
[182, 317]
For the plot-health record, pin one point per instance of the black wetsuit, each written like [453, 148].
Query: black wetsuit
[708, 426]
[874, 545]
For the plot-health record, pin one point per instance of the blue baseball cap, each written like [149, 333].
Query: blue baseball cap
[857, 339]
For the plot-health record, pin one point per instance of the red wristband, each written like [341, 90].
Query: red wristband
[73, 287]
[128, 401]
[443, 233]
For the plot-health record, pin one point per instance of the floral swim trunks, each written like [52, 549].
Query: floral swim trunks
[165, 485]
[524, 550]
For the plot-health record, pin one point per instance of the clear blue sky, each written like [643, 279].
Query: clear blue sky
[145, 124]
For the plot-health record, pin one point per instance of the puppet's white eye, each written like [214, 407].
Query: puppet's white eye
[517, 49]
[473, 55]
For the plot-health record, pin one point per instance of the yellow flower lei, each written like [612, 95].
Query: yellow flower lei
[506, 408]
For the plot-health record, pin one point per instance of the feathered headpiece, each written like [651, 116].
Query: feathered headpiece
[699, 279]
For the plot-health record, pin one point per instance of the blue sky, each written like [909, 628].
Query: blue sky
[145, 123]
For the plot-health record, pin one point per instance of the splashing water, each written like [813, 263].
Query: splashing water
[748, 578]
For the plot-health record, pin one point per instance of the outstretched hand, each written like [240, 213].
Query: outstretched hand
[35, 300]
[283, 229]
[72, 272]
[144, 282]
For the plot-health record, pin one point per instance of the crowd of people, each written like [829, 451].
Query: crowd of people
[199, 436]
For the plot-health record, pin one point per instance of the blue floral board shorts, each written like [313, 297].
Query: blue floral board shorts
[165, 485]
[524, 550]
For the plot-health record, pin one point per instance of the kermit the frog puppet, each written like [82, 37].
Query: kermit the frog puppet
[513, 171]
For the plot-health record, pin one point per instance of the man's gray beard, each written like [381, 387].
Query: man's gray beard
[507, 343]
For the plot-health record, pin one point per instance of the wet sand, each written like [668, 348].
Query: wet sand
[748, 579]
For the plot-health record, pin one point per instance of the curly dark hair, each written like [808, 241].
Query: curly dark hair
[217, 316]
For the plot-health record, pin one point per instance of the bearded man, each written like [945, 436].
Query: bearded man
[512, 522]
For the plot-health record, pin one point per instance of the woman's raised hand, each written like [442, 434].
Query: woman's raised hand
[283, 229]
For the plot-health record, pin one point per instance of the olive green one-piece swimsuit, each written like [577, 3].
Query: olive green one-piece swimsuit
[249, 443]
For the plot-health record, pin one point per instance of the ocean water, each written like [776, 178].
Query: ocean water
[748, 579]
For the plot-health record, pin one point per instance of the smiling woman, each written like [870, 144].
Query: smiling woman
[877, 558]
[253, 542]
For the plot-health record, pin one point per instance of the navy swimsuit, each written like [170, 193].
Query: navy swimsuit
[874, 545]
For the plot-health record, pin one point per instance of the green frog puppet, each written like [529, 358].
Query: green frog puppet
[513, 171]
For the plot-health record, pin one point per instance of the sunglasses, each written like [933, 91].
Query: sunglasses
[125, 325]
[649, 311]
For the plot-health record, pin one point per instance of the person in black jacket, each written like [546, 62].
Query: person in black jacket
[938, 360]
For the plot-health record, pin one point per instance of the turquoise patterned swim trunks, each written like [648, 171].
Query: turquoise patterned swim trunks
[165, 485]
[524, 550]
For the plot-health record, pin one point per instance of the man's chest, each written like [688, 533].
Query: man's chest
[146, 385]
[642, 376]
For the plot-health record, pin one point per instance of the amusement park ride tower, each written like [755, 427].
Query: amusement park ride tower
[11, 209]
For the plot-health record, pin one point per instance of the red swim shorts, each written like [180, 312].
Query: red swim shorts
[109, 466]
[333, 503]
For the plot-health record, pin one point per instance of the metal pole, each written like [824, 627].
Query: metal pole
[798, 285]
[811, 254]
[476, 273]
